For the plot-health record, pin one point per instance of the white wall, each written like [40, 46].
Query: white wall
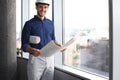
[116, 39]
[58, 27]
[25, 11]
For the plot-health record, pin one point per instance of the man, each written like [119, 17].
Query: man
[39, 68]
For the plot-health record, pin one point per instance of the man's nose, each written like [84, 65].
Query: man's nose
[42, 8]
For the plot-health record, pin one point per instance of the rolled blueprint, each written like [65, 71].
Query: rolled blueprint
[34, 39]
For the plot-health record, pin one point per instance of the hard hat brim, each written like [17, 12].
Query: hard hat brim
[42, 3]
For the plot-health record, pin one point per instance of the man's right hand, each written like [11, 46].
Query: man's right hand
[36, 52]
[33, 51]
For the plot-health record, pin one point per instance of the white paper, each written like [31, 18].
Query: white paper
[68, 43]
[51, 48]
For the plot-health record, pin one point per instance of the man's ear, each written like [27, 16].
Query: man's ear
[36, 7]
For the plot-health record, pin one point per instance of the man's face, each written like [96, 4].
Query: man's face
[41, 9]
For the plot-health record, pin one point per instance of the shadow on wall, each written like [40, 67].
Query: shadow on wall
[22, 68]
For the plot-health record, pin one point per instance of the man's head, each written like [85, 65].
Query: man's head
[42, 7]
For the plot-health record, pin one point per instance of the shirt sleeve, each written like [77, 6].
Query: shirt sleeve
[53, 35]
[25, 36]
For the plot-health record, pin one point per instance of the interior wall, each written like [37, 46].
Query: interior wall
[8, 62]
[58, 27]
[22, 68]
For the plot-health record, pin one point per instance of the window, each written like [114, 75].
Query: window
[18, 27]
[88, 21]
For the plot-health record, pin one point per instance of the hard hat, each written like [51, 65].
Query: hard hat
[43, 1]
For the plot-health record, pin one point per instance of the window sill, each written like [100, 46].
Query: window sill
[79, 73]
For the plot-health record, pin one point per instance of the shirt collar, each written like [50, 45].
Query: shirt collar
[36, 17]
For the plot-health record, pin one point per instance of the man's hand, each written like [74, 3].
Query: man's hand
[33, 51]
[36, 52]
[63, 50]
[60, 46]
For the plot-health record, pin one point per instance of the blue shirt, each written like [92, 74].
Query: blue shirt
[37, 27]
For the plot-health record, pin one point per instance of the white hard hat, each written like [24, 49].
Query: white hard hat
[43, 1]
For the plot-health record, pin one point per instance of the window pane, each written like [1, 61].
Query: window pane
[18, 27]
[88, 20]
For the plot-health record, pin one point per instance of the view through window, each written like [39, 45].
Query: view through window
[18, 27]
[88, 21]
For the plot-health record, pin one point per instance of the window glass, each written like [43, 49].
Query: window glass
[88, 21]
[18, 27]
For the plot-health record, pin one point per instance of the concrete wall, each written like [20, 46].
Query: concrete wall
[8, 61]
[21, 68]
